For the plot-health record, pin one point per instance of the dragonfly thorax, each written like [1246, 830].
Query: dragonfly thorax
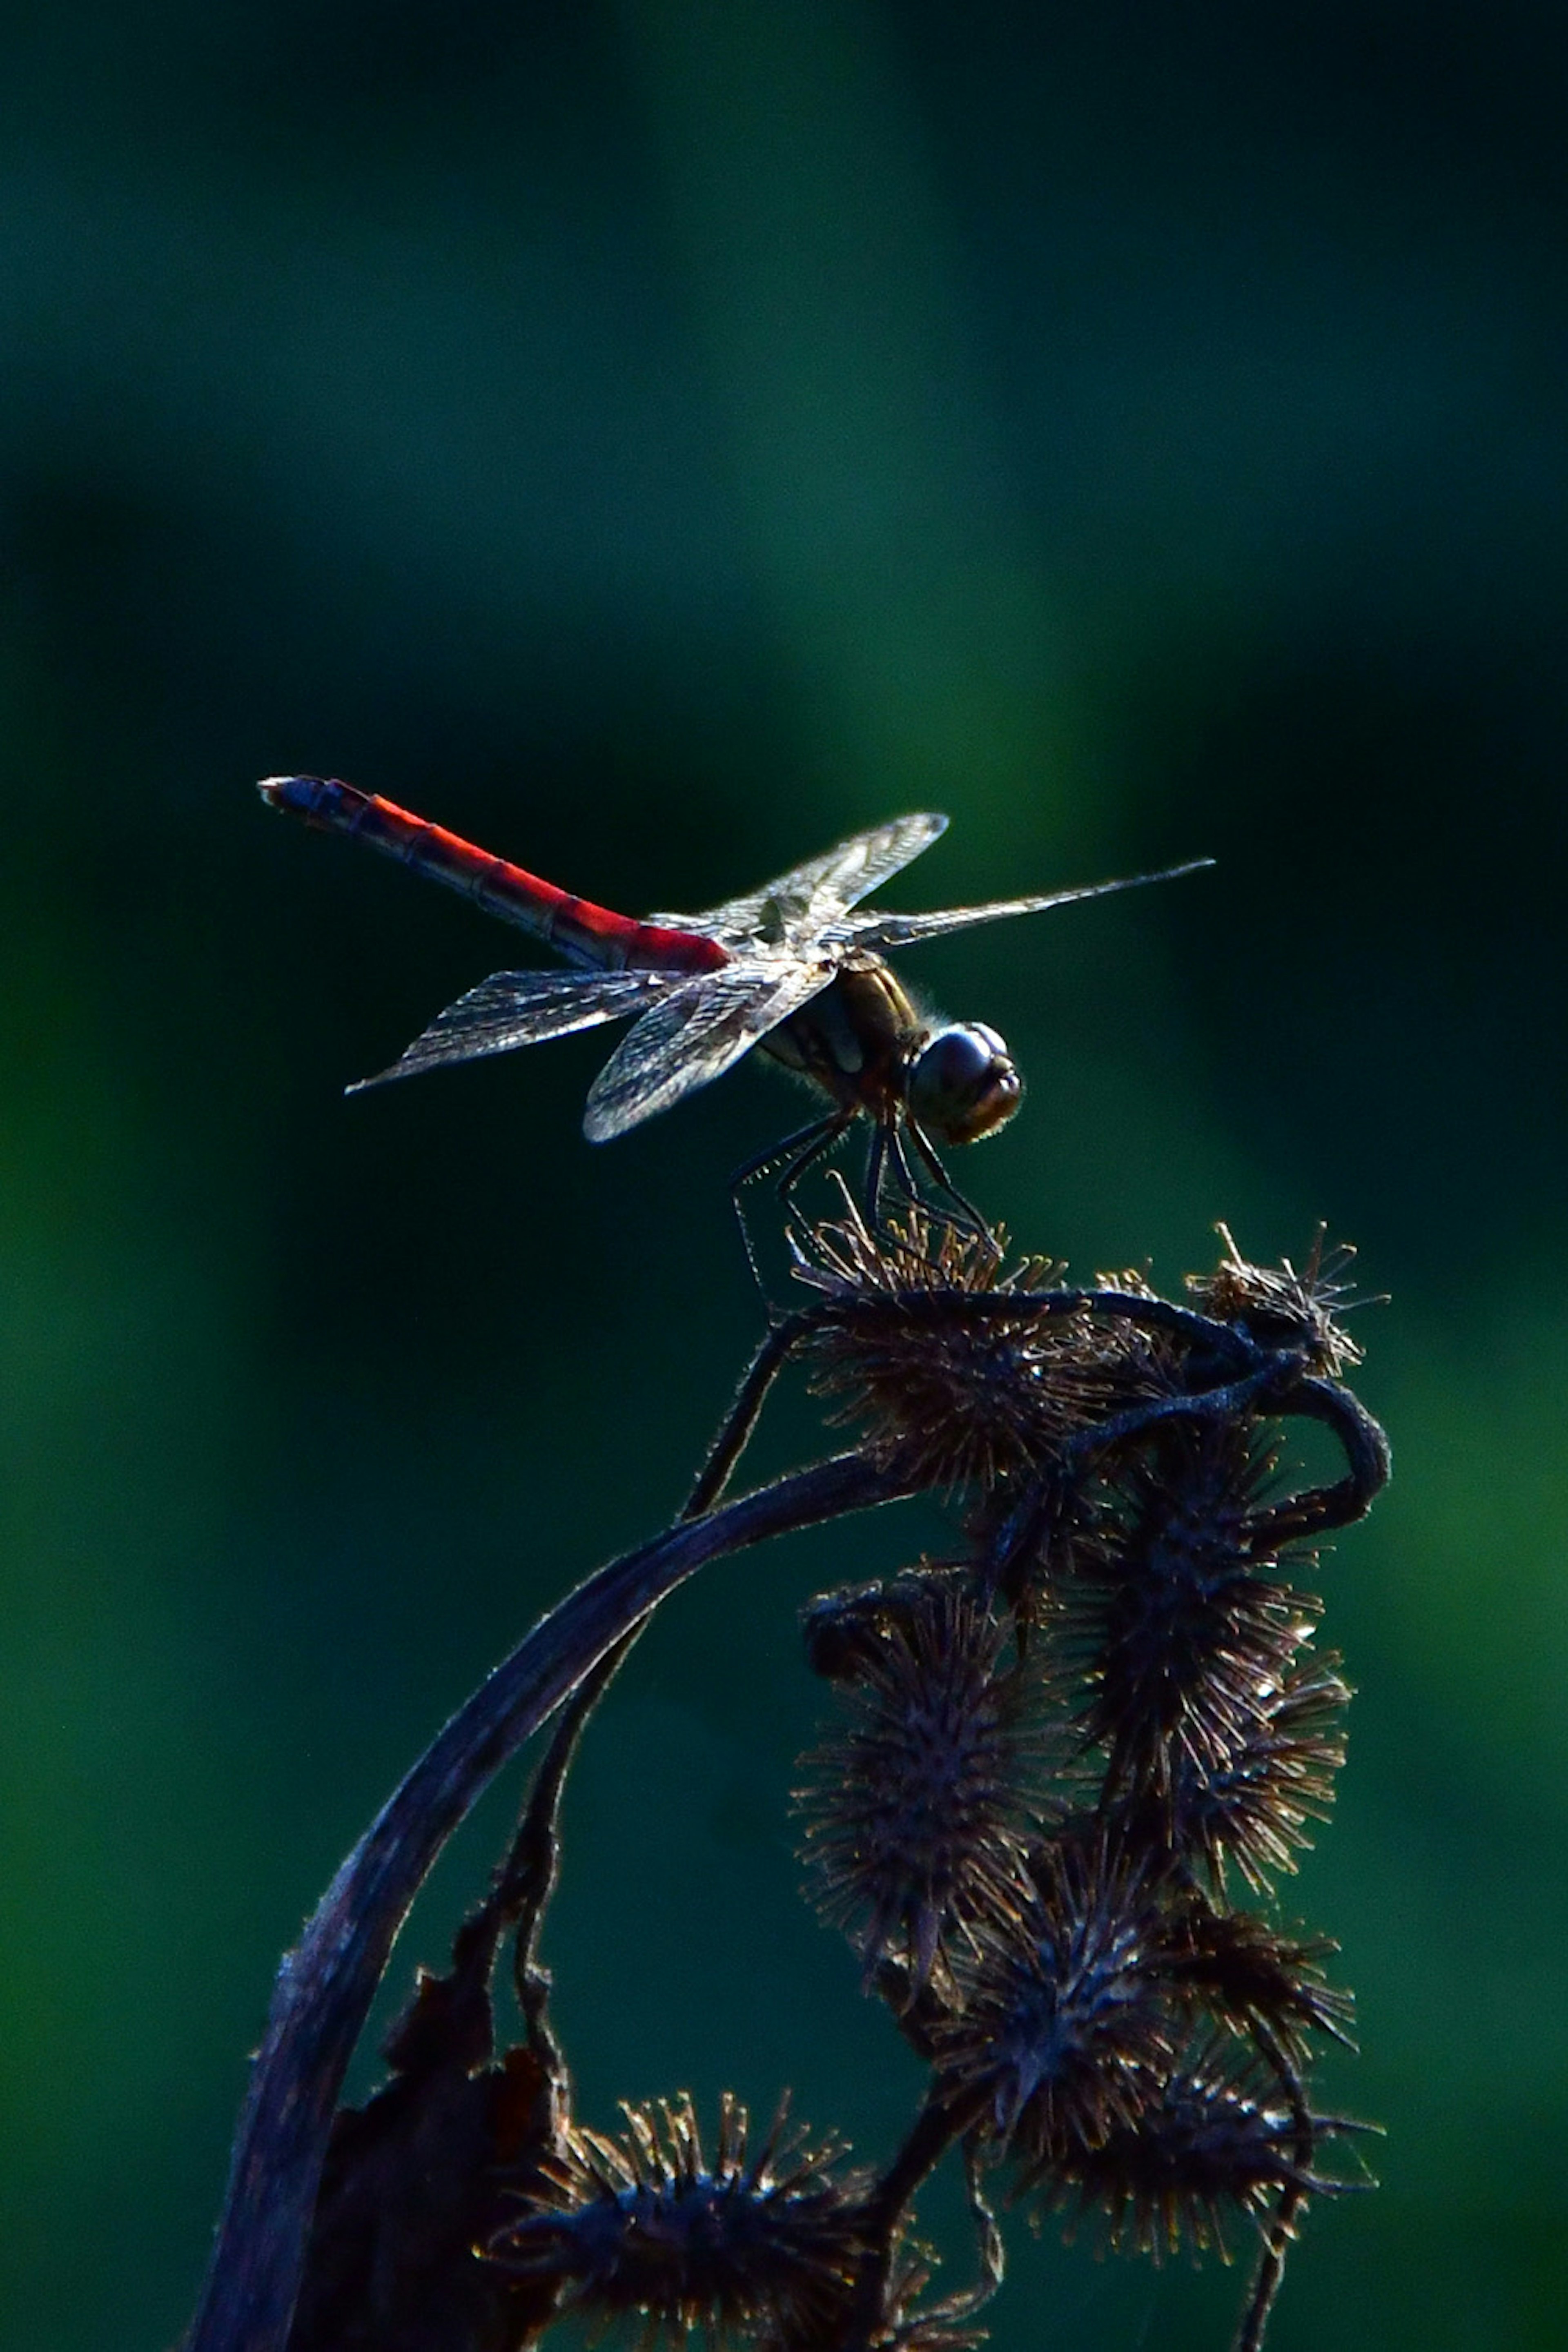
[964, 1083]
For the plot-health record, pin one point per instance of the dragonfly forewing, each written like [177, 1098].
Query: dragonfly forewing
[817, 892]
[879, 933]
[525, 1008]
[692, 1036]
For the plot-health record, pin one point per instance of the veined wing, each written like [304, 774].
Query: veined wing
[882, 932]
[692, 1036]
[816, 893]
[524, 1008]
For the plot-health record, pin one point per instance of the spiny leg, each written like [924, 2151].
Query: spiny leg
[888, 1158]
[806, 1159]
[908, 1191]
[876, 1173]
[797, 1154]
[969, 1216]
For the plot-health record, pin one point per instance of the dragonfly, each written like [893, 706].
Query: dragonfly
[791, 968]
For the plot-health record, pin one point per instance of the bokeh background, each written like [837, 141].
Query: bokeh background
[656, 438]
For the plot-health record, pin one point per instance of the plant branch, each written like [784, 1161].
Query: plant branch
[326, 1984]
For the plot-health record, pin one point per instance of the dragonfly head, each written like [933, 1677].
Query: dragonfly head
[964, 1083]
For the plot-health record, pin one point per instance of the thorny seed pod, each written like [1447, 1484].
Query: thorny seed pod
[919, 1812]
[1183, 1643]
[966, 1401]
[1281, 1307]
[1250, 1978]
[1210, 2141]
[1254, 1810]
[1063, 2019]
[767, 2244]
[844, 1631]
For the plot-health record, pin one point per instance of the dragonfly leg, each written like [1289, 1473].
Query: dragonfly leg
[796, 1155]
[876, 1172]
[798, 1151]
[968, 1216]
[887, 1156]
[814, 1145]
[896, 1159]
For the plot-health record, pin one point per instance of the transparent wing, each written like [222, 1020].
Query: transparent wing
[880, 931]
[693, 1035]
[524, 1008]
[819, 891]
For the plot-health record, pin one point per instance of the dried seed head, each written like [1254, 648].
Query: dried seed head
[1130, 1280]
[918, 1812]
[846, 1631]
[1184, 1645]
[844, 1259]
[908, 2323]
[1063, 2016]
[960, 1396]
[1250, 1978]
[1281, 1307]
[767, 2244]
[1254, 1810]
[1211, 2141]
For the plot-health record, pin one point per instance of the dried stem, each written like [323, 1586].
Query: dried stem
[1269, 2275]
[326, 1984]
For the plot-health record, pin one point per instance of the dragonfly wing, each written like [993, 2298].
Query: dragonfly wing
[884, 931]
[813, 894]
[524, 1008]
[693, 1035]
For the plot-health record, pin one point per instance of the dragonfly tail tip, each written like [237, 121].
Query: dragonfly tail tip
[293, 795]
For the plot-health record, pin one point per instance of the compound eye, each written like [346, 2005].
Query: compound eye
[964, 1084]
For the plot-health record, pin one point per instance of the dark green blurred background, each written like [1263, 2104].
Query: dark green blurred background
[656, 439]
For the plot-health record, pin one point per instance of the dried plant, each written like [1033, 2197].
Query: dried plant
[767, 2244]
[1053, 1756]
[920, 1808]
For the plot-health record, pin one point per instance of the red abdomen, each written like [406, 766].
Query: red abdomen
[574, 926]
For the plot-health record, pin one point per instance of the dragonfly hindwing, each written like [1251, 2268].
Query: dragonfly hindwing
[525, 1008]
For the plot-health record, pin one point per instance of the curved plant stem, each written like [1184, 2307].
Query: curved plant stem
[326, 1984]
